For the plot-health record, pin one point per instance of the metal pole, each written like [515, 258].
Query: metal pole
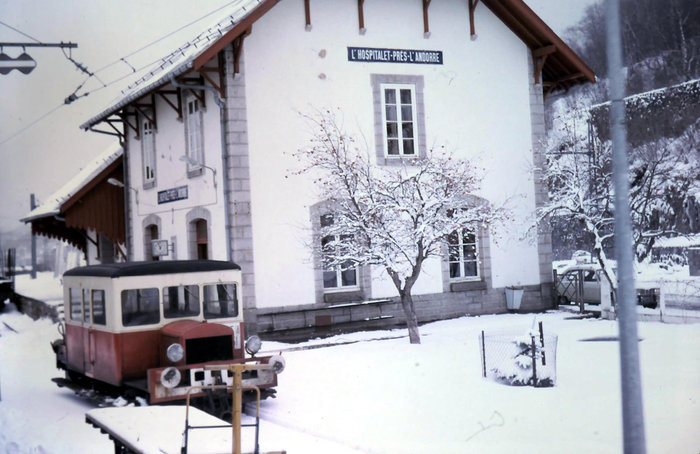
[632, 408]
[32, 205]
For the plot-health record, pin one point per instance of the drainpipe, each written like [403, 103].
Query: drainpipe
[224, 156]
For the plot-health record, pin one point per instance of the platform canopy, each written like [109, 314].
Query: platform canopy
[90, 201]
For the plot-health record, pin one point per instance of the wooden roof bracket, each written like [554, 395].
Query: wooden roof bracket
[120, 134]
[205, 70]
[472, 29]
[199, 94]
[307, 14]
[143, 109]
[238, 49]
[361, 16]
[539, 56]
[549, 88]
[177, 106]
[124, 115]
[426, 24]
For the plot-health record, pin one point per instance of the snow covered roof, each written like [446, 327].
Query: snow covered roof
[52, 206]
[181, 59]
[678, 241]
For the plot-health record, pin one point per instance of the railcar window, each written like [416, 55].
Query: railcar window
[181, 301]
[140, 307]
[86, 305]
[98, 307]
[76, 304]
[220, 301]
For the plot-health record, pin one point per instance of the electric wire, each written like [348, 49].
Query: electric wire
[21, 130]
[74, 96]
[19, 31]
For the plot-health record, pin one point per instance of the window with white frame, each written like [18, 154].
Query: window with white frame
[399, 119]
[148, 150]
[463, 256]
[339, 277]
[195, 149]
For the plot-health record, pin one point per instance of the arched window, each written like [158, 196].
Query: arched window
[199, 234]
[150, 233]
[201, 239]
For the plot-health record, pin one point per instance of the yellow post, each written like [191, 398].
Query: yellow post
[237, 403]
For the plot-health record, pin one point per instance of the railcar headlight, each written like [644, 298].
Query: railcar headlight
[175, 352]
[253, 344]
[170, 377]
[277, 363]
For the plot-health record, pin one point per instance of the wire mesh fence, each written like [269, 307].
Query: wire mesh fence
[528, 359]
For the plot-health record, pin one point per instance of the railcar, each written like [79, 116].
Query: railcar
[149, 328]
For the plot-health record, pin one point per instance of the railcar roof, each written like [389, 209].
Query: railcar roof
[148, 268]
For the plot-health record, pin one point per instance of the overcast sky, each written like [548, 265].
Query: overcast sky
[40, 156]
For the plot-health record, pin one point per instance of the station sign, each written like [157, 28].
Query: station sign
[379, 55]
[172, 194]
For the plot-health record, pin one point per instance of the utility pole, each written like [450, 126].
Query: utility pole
[634, 441]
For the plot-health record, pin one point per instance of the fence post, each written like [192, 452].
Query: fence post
[534, 361]
[544, 360]
[483, 354]
[579, 289]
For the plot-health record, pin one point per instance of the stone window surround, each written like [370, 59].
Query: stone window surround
[193, 171]
[192, 217]
[149, 220]
[144, 138]
[418, 83]
[325, 296]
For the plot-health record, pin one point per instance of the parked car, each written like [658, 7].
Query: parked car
[567, 282]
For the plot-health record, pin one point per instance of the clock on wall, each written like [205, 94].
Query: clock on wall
[159, 248]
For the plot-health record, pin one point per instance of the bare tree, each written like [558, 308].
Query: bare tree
[395, 217]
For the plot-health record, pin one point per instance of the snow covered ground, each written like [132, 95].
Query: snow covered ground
[387, 396]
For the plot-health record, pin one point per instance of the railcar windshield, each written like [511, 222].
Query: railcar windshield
[181, 301]
[140, 307]
[220, 301]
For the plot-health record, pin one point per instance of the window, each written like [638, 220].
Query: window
[399, 117]
[399, 110]
[140, 307]
[220, 300]
[86, 305]
[76, 303]
[195, 150]
[148, 149]
[98, 307]
[202, 239]
[181, 301]
[463, 260]
[338, 277]
[150, 233]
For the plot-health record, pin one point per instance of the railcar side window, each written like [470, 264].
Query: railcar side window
[76, 303]
[140, 307]
[220, 301]
[86, 305]
[98, 307]
[182, 301]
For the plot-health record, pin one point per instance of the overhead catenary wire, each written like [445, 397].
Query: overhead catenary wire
[19, 31]
[144, 47]
[75, 96]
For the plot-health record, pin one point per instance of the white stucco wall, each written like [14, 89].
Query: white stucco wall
[171, 173]
[476, 103]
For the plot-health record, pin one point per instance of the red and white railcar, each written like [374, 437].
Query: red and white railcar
[150, 327]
